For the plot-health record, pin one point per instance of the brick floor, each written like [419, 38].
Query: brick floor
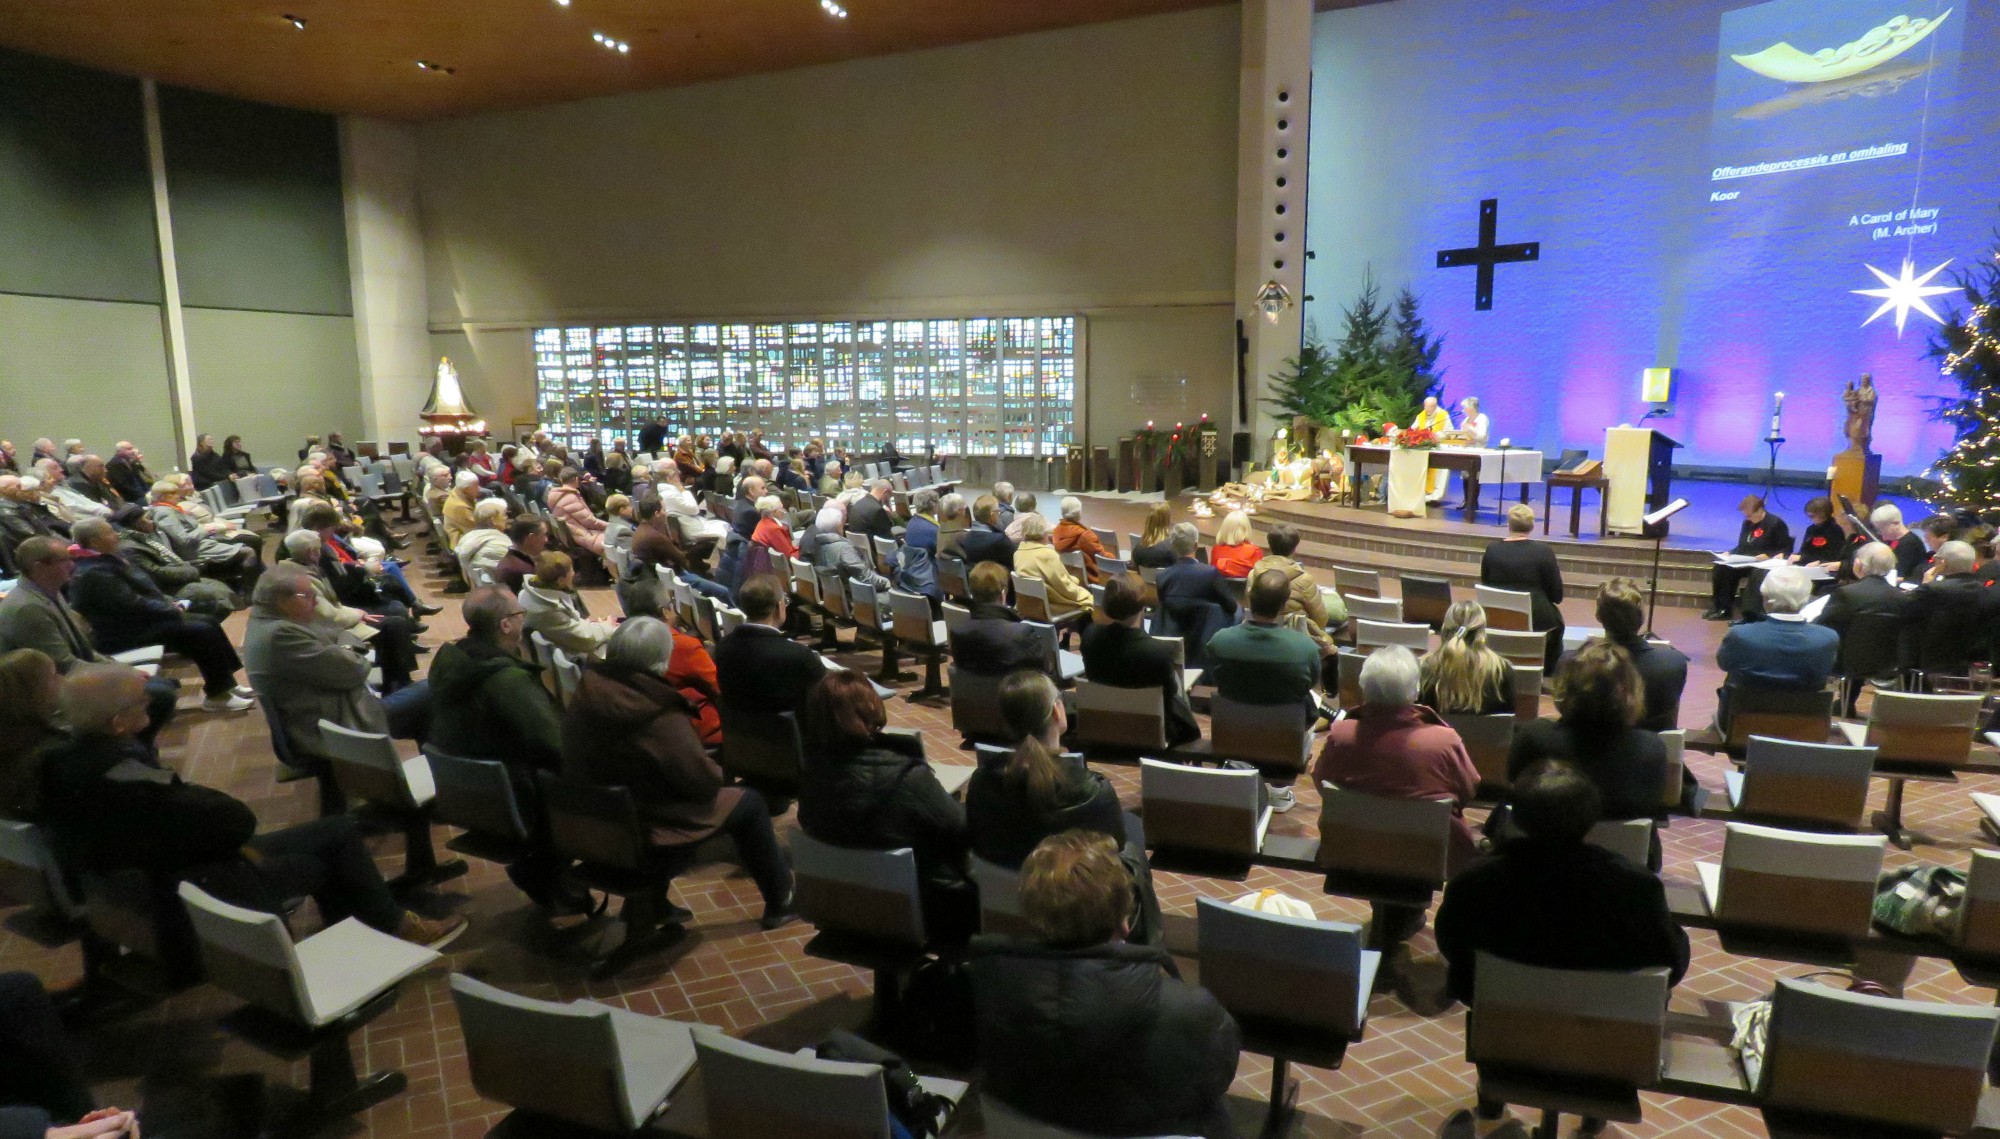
[1401, 1080]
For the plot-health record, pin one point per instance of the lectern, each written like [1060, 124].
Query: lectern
[1639, 466]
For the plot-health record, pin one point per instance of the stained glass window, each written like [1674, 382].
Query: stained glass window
[956, 386]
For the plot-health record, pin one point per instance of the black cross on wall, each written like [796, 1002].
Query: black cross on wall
[1486, 254]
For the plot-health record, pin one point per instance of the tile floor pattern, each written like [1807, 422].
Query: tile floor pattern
[1401, 1080]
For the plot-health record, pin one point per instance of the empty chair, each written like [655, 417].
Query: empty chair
[477, 796]
[975, 705]
[1817, 785]
[1631, 839]
[599, 828]
[1979, 914]
[1361, 607]
[1298, 989]
[1528, 691]
[1425, 599]
[1878, 1061]
[330, 985]
[1506, 608]
[1371, 635]
[1203, 809]
[1673, 789]
[999, 898]
[576, 1062]
[1277, 738]
[1111, 567]
[1108, 537]
[1387, 851]
[1906, 727]
[873, 617]
[1488, 739]
[369, 771]
[752, 1092]
[1116, 719]
[868, 909]
[915, 630]
[1358, 582]
[1799, 714]
[1563, 1040]
[1518, 647]
[1811, 885]
[29, 875]
[884, 550]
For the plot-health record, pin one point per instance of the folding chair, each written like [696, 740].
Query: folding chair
[1298, 990]
[600, 829]
[764, 750]
[1805, 715]
[1388, 851]
[914, 628]
[876, 620]
[1566, 1040]
[1520, 649]
[1371, 635]
[1814, 886]
[752, 1092]
[868, 908]
[319, 991]
[1207, 810]
[1922, 737]
[975, 706]
[369, 771]
[1425, 600]
[589, 1065]
[1801, 784]
[1120, 720]
[1488, 739]
[1276, 738]
[1357, 582]
[999, 898]
[1506, 608]
[1386, 610]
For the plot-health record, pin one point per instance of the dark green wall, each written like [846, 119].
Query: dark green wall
[258, 221]
[76, 198]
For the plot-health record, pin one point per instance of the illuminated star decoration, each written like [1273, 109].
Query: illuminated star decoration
[1905, 293]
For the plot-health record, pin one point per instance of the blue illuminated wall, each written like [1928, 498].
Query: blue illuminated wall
[1611, 133]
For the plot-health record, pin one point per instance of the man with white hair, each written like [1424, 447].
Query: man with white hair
[22, 516]
[1951, 616]
[830, 478]
[44, 448]
[9, 462]
[1394, 748]
[1003, 496]
[697, 531]
[127, 473]
[826, 546]
[62, 499]
[1782, 651]
[1868, 617]
[1911, 553]
[87, 478]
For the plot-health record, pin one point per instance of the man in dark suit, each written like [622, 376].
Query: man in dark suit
[127, 611]
[1188, 588]
[1868, 615]
[986, 540]
[760, 670]
[653, 437]
[1663, 669]
[743, 514]
[1121, 654]
[870, 513]
[995, 642]
[1763, 535]
[1950, 617]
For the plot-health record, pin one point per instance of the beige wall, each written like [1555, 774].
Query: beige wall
[93, 370]
[1085, 169]
[274, 378]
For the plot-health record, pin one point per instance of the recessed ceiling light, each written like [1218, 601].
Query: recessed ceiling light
[833, 9]
[562, 3]
[295, 21]
[441, 69]
[610, 44]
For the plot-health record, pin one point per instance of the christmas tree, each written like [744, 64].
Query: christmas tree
[1305, 387]
[1413, 352]
[1968, 351]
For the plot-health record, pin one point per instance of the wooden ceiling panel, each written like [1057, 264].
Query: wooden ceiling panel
[360, 56]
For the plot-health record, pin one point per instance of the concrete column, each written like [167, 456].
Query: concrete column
[173, 328]
[385, 252]
[1274, 101]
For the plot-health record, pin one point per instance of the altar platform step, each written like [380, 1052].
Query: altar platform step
[1366, 538]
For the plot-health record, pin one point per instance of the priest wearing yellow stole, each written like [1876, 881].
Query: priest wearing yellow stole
[1434, 418]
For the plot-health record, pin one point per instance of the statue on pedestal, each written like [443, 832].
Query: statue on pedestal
[1857, 471]
[1860, 403]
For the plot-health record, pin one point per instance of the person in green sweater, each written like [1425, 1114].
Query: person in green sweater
[489, 702]
[1262, 661]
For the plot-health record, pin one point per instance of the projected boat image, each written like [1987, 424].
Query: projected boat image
[1873, 85]
[1787, 64]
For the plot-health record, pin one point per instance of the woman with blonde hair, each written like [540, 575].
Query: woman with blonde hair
[1464, 676]
[556, 611]
[1153, 549]
[1235, 555]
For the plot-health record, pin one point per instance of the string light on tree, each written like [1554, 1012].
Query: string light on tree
[1967, 348]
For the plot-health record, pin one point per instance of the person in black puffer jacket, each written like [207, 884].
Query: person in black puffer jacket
[1079, 1029]
[872, 790]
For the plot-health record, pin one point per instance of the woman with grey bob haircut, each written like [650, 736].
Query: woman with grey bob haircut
[641, 644]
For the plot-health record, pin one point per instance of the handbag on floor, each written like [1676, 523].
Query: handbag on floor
[913, 1112]
[1920, 901]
